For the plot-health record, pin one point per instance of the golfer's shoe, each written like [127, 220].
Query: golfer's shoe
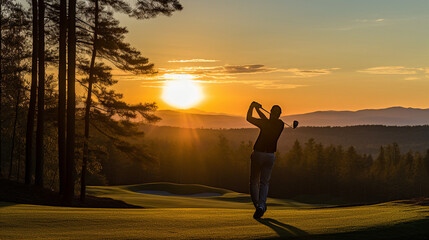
[259, 212]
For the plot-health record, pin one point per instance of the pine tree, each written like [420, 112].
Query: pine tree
[41, 96]
[419, 176]
[426, 161]
[146, 9]
[62, 83]
[295, 154]
[33, 93]
[14, 51]
[378, 171]
[104, 39]
[71, 103]
[1, 82]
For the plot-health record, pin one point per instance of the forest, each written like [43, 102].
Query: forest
[56, 84]
[307, 169]
[365, 138]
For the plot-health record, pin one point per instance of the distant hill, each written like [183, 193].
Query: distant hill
[394, 116]
[200, 120]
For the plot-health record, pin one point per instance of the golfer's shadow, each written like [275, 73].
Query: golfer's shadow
[282, 229]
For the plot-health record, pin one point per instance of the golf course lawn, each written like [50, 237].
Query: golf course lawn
[227, 216]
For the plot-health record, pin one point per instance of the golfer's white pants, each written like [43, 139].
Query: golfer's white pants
[260, 173]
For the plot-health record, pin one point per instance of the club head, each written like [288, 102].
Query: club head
[295, 124]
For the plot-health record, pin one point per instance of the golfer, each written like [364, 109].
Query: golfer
[262, 158]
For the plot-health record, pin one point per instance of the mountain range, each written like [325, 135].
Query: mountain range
[393, 116]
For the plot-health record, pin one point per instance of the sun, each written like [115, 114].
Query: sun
[180, 91]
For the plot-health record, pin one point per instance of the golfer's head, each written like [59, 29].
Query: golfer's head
[276, 111]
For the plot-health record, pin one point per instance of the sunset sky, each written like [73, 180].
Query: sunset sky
[303, 55]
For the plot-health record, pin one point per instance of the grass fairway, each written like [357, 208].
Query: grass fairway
[222, 217]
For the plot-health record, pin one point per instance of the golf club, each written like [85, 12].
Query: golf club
[295, 123]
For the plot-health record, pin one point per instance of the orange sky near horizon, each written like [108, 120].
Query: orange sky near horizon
[302, 55]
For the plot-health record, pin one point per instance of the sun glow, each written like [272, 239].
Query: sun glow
[180, 91]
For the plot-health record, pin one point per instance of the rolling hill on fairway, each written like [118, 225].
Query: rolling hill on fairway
[134, 194]
[226, 216]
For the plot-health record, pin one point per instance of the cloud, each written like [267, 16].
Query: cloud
[396, 70]
[231, 74]
[255, 68]
[243, 69]
[229, 71]
[309, 72]
[370, 20]
[260, 84]
[361, 24]
[276, 85]
[197, 60]
[411, 78]
[226, 69]
[220, 72]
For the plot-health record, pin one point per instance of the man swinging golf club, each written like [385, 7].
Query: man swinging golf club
[262, 158]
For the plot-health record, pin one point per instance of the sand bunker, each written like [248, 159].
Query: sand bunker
[163, 193]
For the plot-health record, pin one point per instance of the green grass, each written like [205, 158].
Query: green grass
[224, 217]
[182, 189]
[228, 199]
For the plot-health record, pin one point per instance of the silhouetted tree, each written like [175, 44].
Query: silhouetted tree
[418, 173]
[1, 83]
[71, 102]
[14, 50]
[241, 157]
[41, 96]
[18, 99]
[222, 158]
[88, 100]
[62, 83]
[107, 42]
[426, 161]
[146, 9]
[33, 92]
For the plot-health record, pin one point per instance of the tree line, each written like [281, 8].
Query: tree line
[365, 138]
[44, 126]
[309, 170]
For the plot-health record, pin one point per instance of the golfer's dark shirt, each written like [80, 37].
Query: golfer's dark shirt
[269, 134]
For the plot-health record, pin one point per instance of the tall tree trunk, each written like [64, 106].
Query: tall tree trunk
[40, 98]
[18, 168]
[71, 104]
[62, 82]
[14, 131]
[18, 99]
[32, 106]
[1, 82]
[88, 105]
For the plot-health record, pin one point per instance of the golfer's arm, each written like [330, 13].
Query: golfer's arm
[261, 114]
[251, 119]
[249, 114]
